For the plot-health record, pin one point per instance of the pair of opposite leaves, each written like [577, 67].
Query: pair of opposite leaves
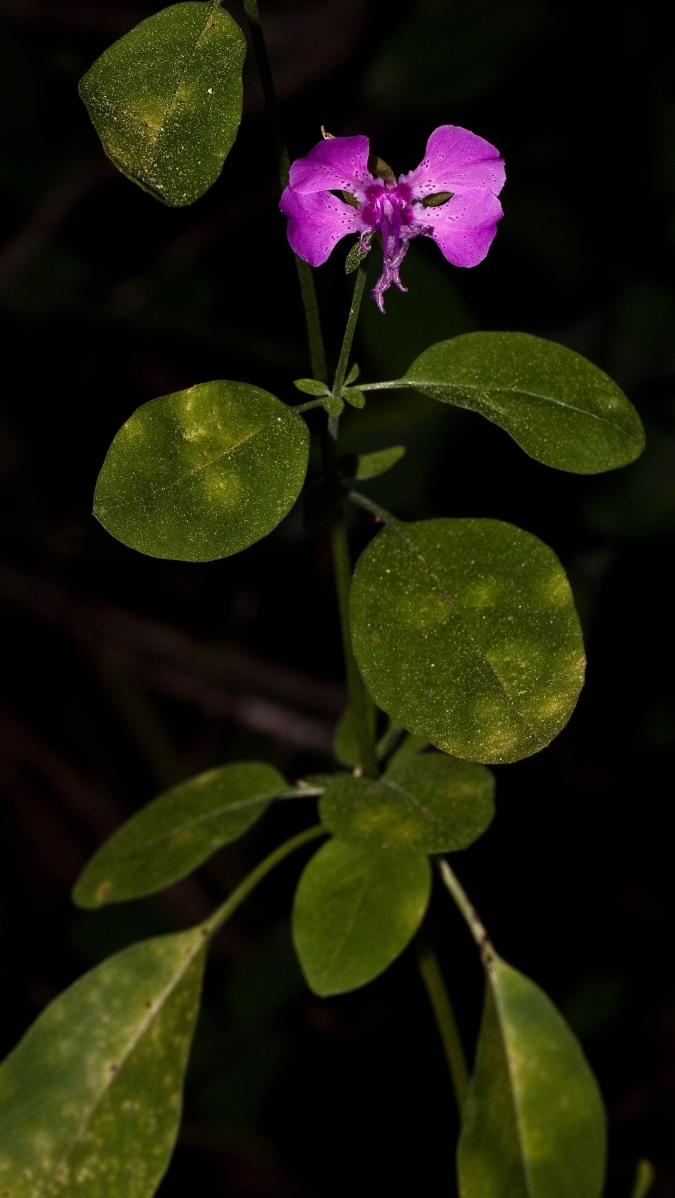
[464, 630]
[106, 1093]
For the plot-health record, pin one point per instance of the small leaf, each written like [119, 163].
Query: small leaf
[166, 99]
[559, 407]
[371, 464]
[90, 1099]
[334, 405]
[534, 1125]
[202, 473]
[427, 804]
[465, 632]
[311, 386]
[355, 911]
[353, 374]
[438, 198]
[345, 742]
[173, 835]
[644, 1179]
[357, 253]
[354, 397]
[381, 169]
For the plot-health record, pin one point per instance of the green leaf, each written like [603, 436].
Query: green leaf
[334, 405]
[355, 911]
[202, 473]
[371, 464]
[353, 374]
[534, 1125]
[559, 407]
[355, 397]
[644, 1179]
[166, 99]
[174, 834]
[345, 742]
[90, 1099]
[465, 632]
[311, 386]
[427, 804]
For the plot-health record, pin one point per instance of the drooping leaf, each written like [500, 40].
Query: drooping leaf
[371, 464]
[534, 1125]
[202, 473]
[559, 407]
[355, 911]
[465, 632]
[422, 804]
[346, 742]
[166, 99]
[90, 1099]
[173, 835]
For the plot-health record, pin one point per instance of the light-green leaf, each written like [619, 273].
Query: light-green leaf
[174, 834]
[90, 1099]
[534, 1125]
[355, 911]
[559, 407]
[202, 473]
[166, 99]
[465, 632]
[369, 465]
[422, 804]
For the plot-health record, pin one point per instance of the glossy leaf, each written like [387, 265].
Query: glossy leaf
[422, 804]
[559, 407]
[173, 835]
[465, 632]
[371, 464]
[166, 99]
[355, 911]
[90, 1099]
[534, 1125]
[202, 473]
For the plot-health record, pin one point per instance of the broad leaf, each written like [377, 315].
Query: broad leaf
[465, 632]
[355, 911]
[90, 1099]
[174, 834]
[369, 465]
[203, 473]
[534, 1125]
[559, 407]
[422, 804]
[166, 99]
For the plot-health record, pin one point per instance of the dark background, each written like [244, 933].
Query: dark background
[122, 674]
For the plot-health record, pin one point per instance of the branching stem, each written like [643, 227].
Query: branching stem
[446, 1022]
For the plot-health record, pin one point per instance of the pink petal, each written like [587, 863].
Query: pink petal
[317, 222]
[464, 228]
[455, 160]
[337, 164]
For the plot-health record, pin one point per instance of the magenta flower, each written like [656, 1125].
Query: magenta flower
[451, 196]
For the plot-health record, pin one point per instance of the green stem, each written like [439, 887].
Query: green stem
[392, 385]
[343, 360]
[317, 353]
[446, 1022]
[256, 875]
[476, 927]
[360, 702]
[375, 509]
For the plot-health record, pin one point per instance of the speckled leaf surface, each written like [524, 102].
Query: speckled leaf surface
[174, 834]
[355, 911]
[465, 632]
[559, 407]
[534, 1125]
[90, 1099]
[370, 465]
[166, 99]
[422, 804]
[202, 473]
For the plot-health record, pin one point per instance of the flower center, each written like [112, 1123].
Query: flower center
[387, 207]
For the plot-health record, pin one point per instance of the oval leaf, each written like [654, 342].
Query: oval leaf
[559, 407]
[202, 473]
[534, 1125]
[166, 99]
[427, 804]
[90, 1099]
[355, 911]
[465, 632]
[174, 834]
